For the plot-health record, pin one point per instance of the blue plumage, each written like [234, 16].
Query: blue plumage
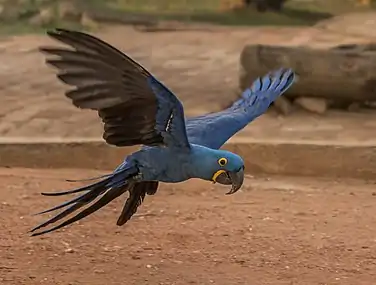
[213, 130]
[170, 120]
[136, 108]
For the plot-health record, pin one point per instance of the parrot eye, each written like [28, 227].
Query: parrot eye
[222, 161]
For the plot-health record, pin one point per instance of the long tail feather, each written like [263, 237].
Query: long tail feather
[66, 212]
[111, 187]
[104, 200]
[87, 197]
[81, 189]
[89, 179]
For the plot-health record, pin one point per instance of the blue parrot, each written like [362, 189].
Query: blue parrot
[137, 109]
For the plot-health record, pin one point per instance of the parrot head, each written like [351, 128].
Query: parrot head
[223, 167]
[230, 171]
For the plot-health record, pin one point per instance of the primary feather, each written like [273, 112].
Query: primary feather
[136, 108]
[120, 89]
[213, 130]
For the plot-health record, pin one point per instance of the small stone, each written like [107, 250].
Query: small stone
[354, 107]
[315, 105]
[88, 22]
[66, 9]
[44, 17]
[371, 104]
[69, 250]
[148, 266]
[283, 105]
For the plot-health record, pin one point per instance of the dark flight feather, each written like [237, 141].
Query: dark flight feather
[110, 82]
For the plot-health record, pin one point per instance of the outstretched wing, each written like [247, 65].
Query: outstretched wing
[213, 130]
[134, 106]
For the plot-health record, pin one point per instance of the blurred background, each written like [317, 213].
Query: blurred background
[31, 15]
[229, 43]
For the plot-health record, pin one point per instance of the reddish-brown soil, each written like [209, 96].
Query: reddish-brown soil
[276, 231]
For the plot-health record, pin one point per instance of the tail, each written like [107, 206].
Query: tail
[111, 187]
[89, 179]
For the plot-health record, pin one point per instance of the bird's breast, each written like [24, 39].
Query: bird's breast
[162, 164]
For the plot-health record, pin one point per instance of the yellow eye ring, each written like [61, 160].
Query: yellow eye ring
[222, 161]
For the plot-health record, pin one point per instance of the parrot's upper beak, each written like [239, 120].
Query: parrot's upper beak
[230, 178]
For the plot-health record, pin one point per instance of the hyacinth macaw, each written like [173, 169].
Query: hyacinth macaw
[137, 109]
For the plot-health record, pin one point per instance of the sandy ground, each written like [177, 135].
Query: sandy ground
[275, 231]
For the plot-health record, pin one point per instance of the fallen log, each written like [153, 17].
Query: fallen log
[343, 73]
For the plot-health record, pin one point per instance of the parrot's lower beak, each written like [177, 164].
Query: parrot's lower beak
[231, 178]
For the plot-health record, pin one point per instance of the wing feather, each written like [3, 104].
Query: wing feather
[214, 129]
[134, 106]
[137, 195]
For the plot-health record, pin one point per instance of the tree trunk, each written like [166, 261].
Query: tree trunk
[345, 73]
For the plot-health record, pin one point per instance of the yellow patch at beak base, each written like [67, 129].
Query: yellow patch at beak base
[219, 172]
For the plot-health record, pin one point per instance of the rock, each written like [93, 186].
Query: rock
[283, 105]
[354, 107]
[346, 72]
[315, 105]
[45, 16]
[370, 104]
[226, 5]
[69, 250]
[88, 22]
[68, 11]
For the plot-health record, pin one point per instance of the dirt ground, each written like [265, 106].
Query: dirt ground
[277, 230]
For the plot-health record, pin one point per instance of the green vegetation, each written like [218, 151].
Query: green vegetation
[208, 11]
[296, 12]
[21, 16]
[28, 16]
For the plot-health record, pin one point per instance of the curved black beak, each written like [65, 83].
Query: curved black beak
[235, 179]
